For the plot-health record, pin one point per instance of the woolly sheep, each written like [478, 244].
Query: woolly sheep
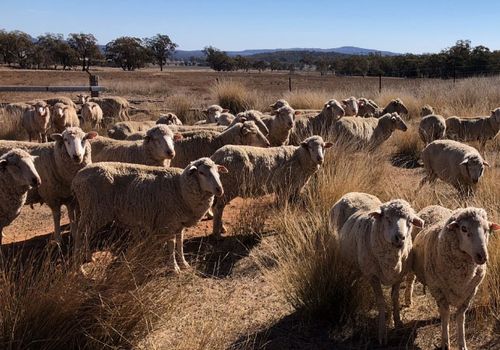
[57, 163]
[121, 130]
[348, 205]
[63, 116]
[320, 124]
[479, 129]
[156, 148]
[36, 121]
[432, 127]
[367, 133]
[253, 115]
[376, 240]
[278, 104]
[426, 110]
[456, 163]
[226, 119]
[61, 99]
[92, 115]
[367, 107]
[212, 113]
[114, 108]
[159, 200]
[185, 130]
[17, 175]
[450, 259]
[257, 172]
[394, 106]
[350, 106]
[204, 144]
[169, 119]
[280, 125]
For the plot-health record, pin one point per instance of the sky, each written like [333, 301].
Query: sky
[398, 26]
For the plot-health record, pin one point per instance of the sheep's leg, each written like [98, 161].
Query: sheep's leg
[171, 262]
[218, 224]
[379, 300]
[410, 281]
[460, 318]
[179, 248]
[72, 213]
[444, 314]
[395, 306]
[56, 216]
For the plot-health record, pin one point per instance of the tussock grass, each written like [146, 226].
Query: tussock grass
[307, 99]
[182, 106]
[234, 96]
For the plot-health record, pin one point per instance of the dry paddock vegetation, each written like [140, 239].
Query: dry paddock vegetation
[275, 281]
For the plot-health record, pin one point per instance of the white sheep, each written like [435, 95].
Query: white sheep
[212, 114]
[253, 115]
[278, 104]
[36, 121]
[376, 241]
[162, 201]
[348, 205]
[257, 172]
[479, 129]
[92, 115]
[280, 125]
[57, 163]
[432, 127]
[121, 130]
[155, 149]
[63, 116]
[450, 259]
[368, 108]
[426, 110]
[225, 119]
[17, 175]
[456, 163]
[369, 133]
[114, 108]
[204, 144]
[169, 119]
[350, 106]
[61, 99]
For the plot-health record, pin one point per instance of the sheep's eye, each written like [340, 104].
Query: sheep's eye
[464, 229]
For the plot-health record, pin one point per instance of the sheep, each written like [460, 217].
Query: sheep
[320, 124]
[17, 175]
[479, 129]
[348, 205]
[257, 172]
[226, 119]
[159, 200]
[155, 150]
[450, 259]
[204, 144]
[185, 130]
[278, 104]
[456, 163]
[169, 119]
[61, 99]
[394, 106]
[121, 130]
[432, 127]
[350, 106]
[57, 163]
[376, 241]
[254, 116]
[114, 108]
[63, 116]
[359, 133]
[280, 125]
[36, 121]
[212, 114]
[426, 110]
[368, 108]
[92, 115]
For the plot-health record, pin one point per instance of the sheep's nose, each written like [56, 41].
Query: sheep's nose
[35, 182]
[320, 160]
[480, 258]
[170, 154]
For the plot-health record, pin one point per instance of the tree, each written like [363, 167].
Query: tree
[86, 47]
[260, 65]
[217, 59]
[161, 48]
[127, 52]
[242, 63]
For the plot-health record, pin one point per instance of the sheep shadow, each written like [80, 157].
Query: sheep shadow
[296, 331]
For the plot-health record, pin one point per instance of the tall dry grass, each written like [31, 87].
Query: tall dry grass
[233, 95]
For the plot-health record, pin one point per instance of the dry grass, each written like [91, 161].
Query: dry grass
[234, 96]
[307, 99]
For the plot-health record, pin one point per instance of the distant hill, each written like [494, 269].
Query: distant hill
[346, 50]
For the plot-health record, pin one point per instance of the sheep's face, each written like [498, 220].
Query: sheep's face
[207, 173]
[316, 148]
[426, 110]
[213, 113]
[398, 123]
[333, 110]
[350, 106]
[473, 167]
[75, 142]
[473, 234]
[252, 136]
[161, 138]
[495, 114]
[278, 104]
[285, 116]
[396, 106]
[365, 107]
[83, 98]
[21, 167]
[169, 119]
[42, 110]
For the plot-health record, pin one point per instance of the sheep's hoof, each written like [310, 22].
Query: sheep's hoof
[175, 269]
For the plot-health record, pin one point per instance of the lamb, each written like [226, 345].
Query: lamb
[92, 115]
[479, 129]
[253, 115]
[212, 114]
[204, 144]
[57, 163]
[169, 119]
[426, 110]
[456, 163]
[17, 175]
[320, 124]
[350, 106]
[280, 125]
[376, 241]
[155, 150]
[432, 127]
[36, 121]
[159, 200]
[121, 130]
[370, 133]
[257, 172]
[63, 116]
[278, 104]
[450, 259]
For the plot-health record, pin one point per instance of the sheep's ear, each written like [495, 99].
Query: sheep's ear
[417, 222]
[494, 227]
[192, 169]
[57, 137]
[34, 158]
[452, 225]
[465, 161]
[3, 164]
[111, 131]
[222, 169]
[486, 163]
[225, 110]
[242, 119]
[376, 214]
[305, 145]
[91, 135]
[298, 112]
[328, 144]
[274, 105]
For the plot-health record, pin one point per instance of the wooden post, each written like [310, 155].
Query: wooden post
[94, 81]
[379, 83]
[290, 83]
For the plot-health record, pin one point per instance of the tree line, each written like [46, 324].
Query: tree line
[80, 49]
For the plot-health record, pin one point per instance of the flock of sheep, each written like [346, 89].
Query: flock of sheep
[162, 177]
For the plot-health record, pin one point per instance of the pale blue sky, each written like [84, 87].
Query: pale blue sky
[400, 26]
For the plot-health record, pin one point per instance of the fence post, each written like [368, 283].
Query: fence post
[379, 83]
[94, 81]
[290, 83]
